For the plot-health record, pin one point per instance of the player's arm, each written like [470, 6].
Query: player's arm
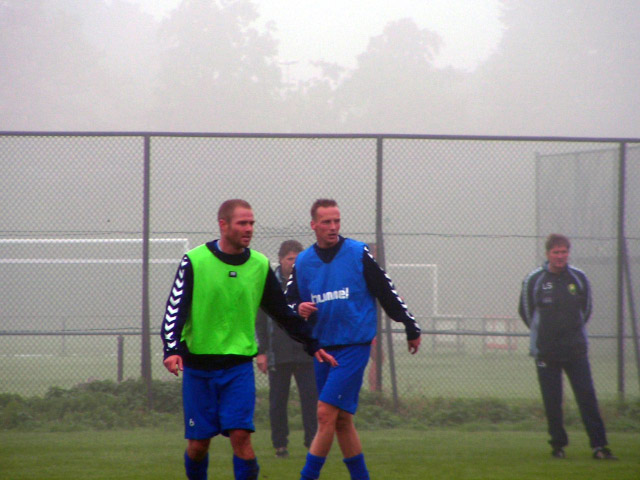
[262, 335]
[304, 309]
[381, 286]
[274, 303]
[521, 305]
[527, 299]
[262, 331]
[588, 300]
[291, 291]
[175, 315]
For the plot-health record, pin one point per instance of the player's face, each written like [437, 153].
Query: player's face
[558, 258]
[286, 263]
[327, 226]
[235, 235]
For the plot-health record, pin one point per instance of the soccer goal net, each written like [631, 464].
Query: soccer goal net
[81, 284]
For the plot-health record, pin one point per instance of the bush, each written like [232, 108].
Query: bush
[97, 405]
[102, 405]
[14, 413]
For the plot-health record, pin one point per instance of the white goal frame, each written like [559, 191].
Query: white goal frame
[433, 267]
[183, 241]
[447, 319]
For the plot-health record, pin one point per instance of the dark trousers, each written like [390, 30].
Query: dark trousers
[279, 385]
[579, 373]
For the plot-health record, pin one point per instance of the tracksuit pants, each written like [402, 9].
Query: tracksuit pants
[579, 373]
[279, 386]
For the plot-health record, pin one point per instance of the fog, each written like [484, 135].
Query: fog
[558, 68]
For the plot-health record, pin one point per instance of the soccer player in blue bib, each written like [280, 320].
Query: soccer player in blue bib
[335, 283]
[208, 332]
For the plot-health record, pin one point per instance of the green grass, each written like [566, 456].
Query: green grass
[152, 453]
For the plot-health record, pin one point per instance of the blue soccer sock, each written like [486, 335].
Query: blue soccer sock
[357, 467]
[196, 470]
[245, 469]
[311, 470]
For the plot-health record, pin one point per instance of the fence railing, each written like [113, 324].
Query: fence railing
[93, 225]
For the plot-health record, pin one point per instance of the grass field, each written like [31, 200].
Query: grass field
[142, 454]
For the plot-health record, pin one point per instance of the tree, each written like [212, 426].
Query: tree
[395, 86]
[219, 73]
[563, 68]
[69, 65]
[46, 64]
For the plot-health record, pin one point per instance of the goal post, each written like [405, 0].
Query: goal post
[414, 282]
[80, 286]
[397, 274]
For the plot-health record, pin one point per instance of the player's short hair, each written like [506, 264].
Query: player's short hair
[324, 203]
[225, 212]
[289, 246]
[557, 240]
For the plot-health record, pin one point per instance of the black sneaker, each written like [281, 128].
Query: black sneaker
[558, 453]
[282, 452]
[603, 453]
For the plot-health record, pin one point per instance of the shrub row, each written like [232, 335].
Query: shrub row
[109, 405]
[96, 405]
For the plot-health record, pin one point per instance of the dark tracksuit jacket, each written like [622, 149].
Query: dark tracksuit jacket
[556, 308]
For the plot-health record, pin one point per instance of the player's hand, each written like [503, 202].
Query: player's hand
[173, 364]
[414, 345]
[306, 309]
[262, 362]
[323, 356]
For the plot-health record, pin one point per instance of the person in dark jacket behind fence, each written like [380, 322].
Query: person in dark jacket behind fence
[282, 358]
[555, 303]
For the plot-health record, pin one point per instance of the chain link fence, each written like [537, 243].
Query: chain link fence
[460, 220]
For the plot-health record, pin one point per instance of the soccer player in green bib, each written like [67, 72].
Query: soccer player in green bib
[208, 333]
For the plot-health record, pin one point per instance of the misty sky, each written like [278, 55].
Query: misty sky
[544, 68]
[338, 31]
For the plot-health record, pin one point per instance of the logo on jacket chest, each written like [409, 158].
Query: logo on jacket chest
[342, 294]
[547, 293]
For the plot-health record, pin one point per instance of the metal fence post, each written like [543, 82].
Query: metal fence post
[620, 268]
[120, 357]
[632, 311]
[381, 261]
[145, 330]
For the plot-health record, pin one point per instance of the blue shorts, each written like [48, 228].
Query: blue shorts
[217, 401]
[340, 386]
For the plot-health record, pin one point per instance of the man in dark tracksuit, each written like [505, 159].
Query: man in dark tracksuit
[283, 358]
[555, 304]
